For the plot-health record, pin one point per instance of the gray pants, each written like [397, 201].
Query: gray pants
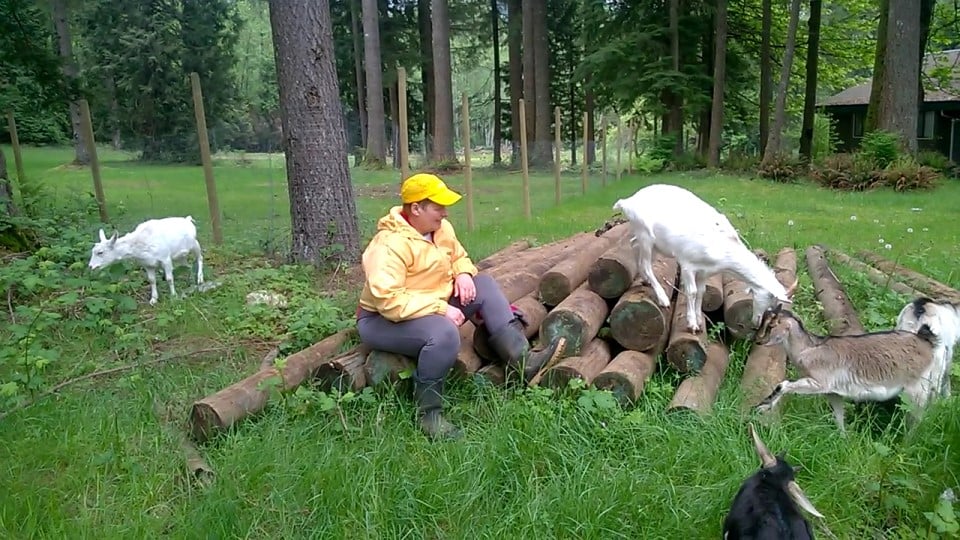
[433, 340]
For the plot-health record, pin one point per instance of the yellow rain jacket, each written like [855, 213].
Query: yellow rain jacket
[408, 276]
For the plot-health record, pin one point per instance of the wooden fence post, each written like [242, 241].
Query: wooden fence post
[467, 173]
[404, 134]
[603, 134]
[15, 142]
[94, 160]
[523, 159]
[556, 163]
[201, 117]
[619, 146]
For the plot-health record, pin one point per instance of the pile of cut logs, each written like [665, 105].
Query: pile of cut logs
[584, 288]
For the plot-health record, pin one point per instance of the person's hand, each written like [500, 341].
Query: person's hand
[465, 289]
[454, 314]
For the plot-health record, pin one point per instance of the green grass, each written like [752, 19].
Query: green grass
[101, 458]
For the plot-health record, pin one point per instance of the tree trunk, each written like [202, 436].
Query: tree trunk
[810, 94]
[686, 351]
[358, 68]
[560, 281]
[61, 22]
[591, 360]
[699, 392]
[427, 73]
[897, 111]
[591, 142]
[443, 85]
[872, 121]
[637, 321]
[529, 70]
[719, 80]
[766, 72]
[926, 17]
[323, 214]
[614, 271]
[626, 375]
[376, 151]
[393, 97]
[515, 57]
[497, 129]
[6, 189]
[572, 124]
[542, 155]
[676, 102]
[780, 107]
[577, 319]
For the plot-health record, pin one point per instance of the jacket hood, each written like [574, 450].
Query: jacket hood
[394, 222]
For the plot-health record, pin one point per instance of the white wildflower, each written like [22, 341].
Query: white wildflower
[909, 229]
[915, 209]
[925, 229]
[790, 223]
[880, 240]
[853, 218]
[888, 246]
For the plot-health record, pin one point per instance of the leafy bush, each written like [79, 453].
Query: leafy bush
[739, 161]
[937, 161]
[687, 161]
[880, 147]
[824, 139]
[906, 174]
[663, 148]
[646, 164]
[847, 172]
[782, 168]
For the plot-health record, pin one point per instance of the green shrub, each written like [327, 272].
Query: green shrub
[663, 148]
[646, 164]
[936, 161]
[906, 174]
[782, 168]
[881, 147]
[739, 161]
[847, 172]
[824, 139]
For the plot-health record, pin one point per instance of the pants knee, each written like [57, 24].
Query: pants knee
[440, 352]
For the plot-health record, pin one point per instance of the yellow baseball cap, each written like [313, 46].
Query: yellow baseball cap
[427, 186]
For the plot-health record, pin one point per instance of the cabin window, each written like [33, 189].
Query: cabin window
[858, 125]
[925, 123]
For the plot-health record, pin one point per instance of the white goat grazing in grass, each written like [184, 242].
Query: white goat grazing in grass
[679, 224]
[868, 367]
[943, 319]
[156, 242]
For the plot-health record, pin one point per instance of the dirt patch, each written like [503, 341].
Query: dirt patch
[378, 191]
[344, 280]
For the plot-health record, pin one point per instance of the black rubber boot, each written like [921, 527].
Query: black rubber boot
[512, 346]
[481, 341]
[429, 397]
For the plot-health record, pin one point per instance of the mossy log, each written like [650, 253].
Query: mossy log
[713, 294]
[614, 272]
[874, 275]
[699, 392]
[737, 307]
[533, 312]
[686, 351]
[930, 286]
[506, 254]
[593, 358]
[766, 366]
[220, 411]
[561, 280]
[626, 375]
[577, 319]
[837, 310]
[344, 372]
[383, 368]
[637, 322]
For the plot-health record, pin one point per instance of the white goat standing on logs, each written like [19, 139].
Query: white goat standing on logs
[156, 242]
[943, 320]
[679, 224]
[868, 367]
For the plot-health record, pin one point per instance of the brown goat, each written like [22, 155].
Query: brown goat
[867, 367]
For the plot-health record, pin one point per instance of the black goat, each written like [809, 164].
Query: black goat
[766, 505]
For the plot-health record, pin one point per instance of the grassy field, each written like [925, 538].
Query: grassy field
[101, 458]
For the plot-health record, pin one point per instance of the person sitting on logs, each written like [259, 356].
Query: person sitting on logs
[420, 286]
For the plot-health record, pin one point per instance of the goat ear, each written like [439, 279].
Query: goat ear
[103, 237]
[113, 239]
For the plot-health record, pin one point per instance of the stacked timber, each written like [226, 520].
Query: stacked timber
[586, 288]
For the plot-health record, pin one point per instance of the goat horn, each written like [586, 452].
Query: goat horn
[798, 497]
[766, 458]
[792, 288]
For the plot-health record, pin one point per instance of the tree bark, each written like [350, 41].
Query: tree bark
[585, 366]
[676, 102]
[686, 351]
[357, 32]
[766, 72]
[872, 120]
[6, 189]
[497, 129]
[591, 142]
[737, 307]
[810, 93]
[780, 107]
[699, 392]
[897, 110]
[578, 319]
[61, 21]
[557, 283]
[376, 151]
[926, 17]
[515, 57]
[837, 308]
[637, 322]
[542, 155]
[529, 70]
[626, 375]
[323, 214]
[425, 27]
[613, 273]
[443, 84]
[719, 80]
